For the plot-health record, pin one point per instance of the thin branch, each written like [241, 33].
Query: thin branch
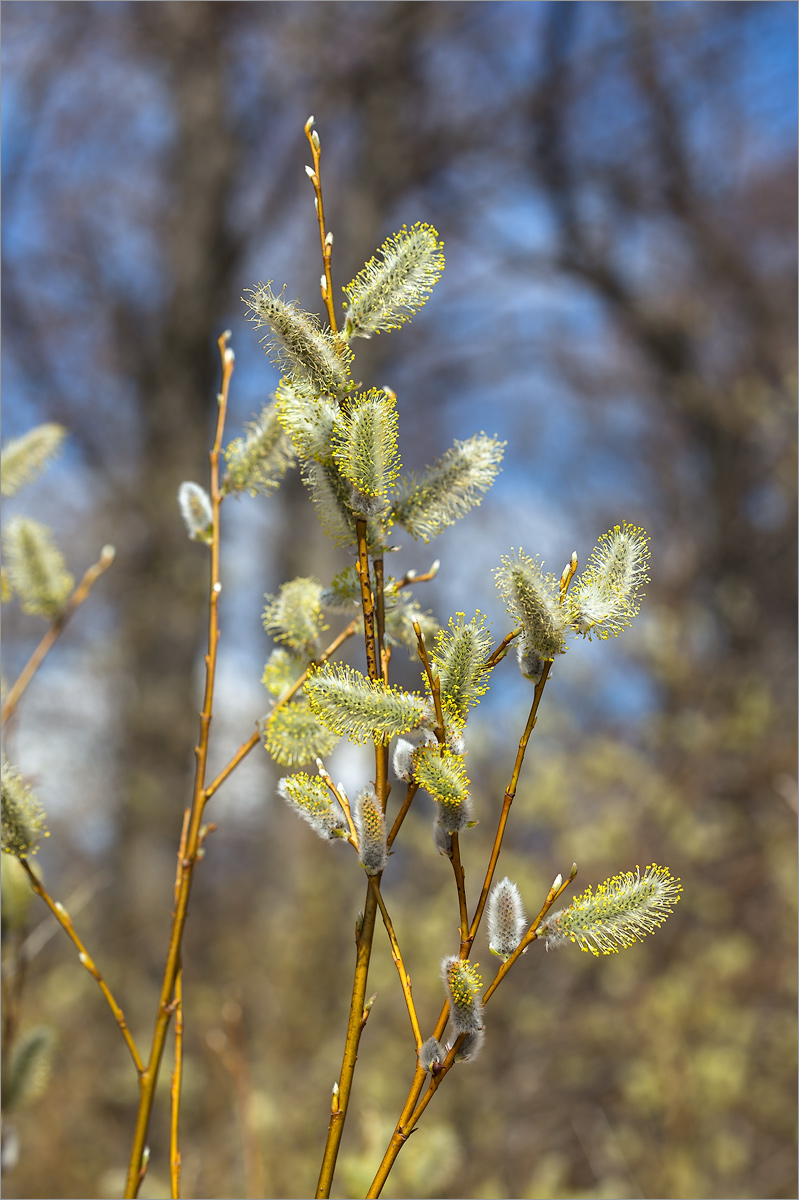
[327, 240]
[177, 1077]
[510, 793]
[65, 921]
[400, 817]
[404, 978]
[433, 680]
[56, 629]
[199, 797]
[410, 1113]
[460, 884]
[245, 748]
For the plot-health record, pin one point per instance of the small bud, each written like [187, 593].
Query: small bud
[531, 664]
[195, 508]
[107, 555]
[310, 172]
[309, 124]
[556, 882]
[316, 143]
[329, 238]
[431, 1056]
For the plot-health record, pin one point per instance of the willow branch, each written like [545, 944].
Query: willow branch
[404, 978]
[56, 629]
[177, 1077]
[149, 1077]
[510, 793]
[65, 921]
[245, 748]
[400, 817]
[326, 239]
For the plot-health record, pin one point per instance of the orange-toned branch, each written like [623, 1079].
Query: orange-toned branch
[62, 916]
[404, 977]
[194, 836]
[325, 237]
[56, 629]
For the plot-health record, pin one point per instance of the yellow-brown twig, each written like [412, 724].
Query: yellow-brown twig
[326, 239]
[56, 629]
[177, 1078]
[404, 977]
[65, 921]
[149, 1076]
[355, 1023]
[510, 793]
[433, 680]
[400, 817]
[460, 884]
[410, 1113]
[245, 748]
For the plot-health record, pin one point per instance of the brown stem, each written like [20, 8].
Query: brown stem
[327, 245]
[510, 793]
[149, 1076]
[355, 1027]
[400, 817]
[433, 681]
[404, 978]
[410, 1113]
[56, 629]
[65, 921]
[460, 883]
[177, 1077]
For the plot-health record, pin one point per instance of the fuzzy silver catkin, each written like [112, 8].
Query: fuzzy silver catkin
[431, 1055]
[36, 567]
[370, 824]
[195, 508]
[505, 918]
[471, 1046]
[389, 290]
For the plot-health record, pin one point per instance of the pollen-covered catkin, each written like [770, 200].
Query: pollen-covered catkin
[370, 825]
[621, 912]
[463, 984]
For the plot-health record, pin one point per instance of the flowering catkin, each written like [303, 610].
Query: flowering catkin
[23, 819]
[370, 824]
[532, 598]
[463, 985]
[604, 599]
[621, 911]
[389, 290]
